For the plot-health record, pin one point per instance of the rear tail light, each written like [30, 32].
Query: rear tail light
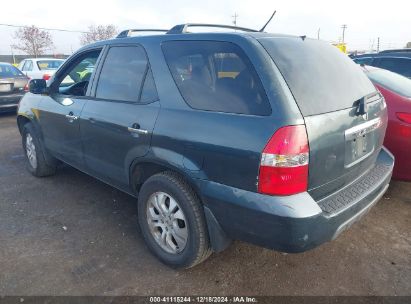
[284, 162]
[26, 87]
[405, 117]
[46, 76]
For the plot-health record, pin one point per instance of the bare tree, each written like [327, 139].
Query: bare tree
[97, 33]
[32, 41]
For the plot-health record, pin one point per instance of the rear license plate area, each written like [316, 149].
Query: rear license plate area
[6, 87]
[360, 142]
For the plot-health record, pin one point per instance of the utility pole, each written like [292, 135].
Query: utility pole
[318, 33]
[235, 16]
[344, 27]
[378, 44]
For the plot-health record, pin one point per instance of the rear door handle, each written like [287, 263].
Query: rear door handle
[135, 128]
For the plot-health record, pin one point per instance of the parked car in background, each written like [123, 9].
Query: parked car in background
[396, 90]
[397, 61]
[12, 85]
[221, 136]
[40, 68]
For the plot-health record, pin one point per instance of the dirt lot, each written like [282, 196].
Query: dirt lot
[73, 235]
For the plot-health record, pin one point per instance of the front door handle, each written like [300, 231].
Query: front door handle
[135, 128]
[71, 117]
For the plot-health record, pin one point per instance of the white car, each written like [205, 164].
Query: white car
[40, 68]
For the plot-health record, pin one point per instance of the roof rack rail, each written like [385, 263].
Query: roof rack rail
[127, 33]
[182, 28]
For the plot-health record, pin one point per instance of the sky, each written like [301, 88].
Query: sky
[366, 20]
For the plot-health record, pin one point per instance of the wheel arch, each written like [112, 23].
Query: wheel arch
[21, 121]
[141, 170]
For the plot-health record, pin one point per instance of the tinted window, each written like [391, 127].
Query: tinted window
[149, 92]
[49, 64]
[398, 65]
[122, 74]
[216, 76]
[75, 79]
[391, 81]
[7, 70]
[321, 77]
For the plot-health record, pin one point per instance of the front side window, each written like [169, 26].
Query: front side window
[124, 71]
[216, 76]
[75, 80]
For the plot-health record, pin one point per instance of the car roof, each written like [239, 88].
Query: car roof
[397, 50]
[383, 54]
[221, 36]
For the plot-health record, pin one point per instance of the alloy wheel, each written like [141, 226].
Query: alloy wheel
[167, 222]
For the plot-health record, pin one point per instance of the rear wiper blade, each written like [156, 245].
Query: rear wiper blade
[362, 106]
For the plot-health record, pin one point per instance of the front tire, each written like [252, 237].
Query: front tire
[172, 221]
[34, 152]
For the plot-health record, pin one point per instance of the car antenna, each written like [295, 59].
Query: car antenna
[265, 25]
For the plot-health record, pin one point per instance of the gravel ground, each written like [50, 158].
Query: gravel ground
[72, 235]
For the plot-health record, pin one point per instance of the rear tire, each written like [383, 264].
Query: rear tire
[35, 154]
[172, 221]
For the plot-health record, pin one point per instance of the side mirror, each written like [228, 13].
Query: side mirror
[38, 86]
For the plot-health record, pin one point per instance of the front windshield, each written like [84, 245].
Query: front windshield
[7, 70]
[392, 81]
[49, 64]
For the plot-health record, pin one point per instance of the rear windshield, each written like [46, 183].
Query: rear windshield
[49, 64]
[7, 70]
[392, 81]
[321, 77]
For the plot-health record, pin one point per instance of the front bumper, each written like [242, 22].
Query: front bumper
[294, 223]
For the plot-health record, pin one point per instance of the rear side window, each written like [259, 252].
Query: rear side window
[398, 65]
[216, 76]
[124, 71]
[392, 81]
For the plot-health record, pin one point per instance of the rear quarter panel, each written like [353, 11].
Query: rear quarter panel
[222, 147]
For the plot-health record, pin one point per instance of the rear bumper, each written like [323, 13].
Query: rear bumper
[10, 101]
[294, 223]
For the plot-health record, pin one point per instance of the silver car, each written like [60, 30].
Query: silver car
[40, 68]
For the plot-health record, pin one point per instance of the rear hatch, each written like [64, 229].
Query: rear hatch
[345, 116]
[12, 85]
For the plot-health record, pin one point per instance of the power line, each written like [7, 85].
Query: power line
[44, 28]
